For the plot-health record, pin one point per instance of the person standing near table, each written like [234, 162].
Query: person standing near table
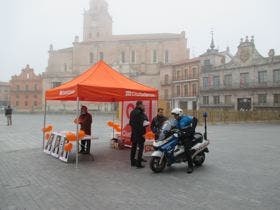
[85, 121]
[138, 122]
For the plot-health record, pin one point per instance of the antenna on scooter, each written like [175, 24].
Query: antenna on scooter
[205, 125]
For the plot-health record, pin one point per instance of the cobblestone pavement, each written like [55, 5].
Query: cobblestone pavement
[242, 171]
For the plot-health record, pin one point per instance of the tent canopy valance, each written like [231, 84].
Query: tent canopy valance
[101, 83]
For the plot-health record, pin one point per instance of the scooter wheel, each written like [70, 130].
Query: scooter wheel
[199, 159]
[155, 164]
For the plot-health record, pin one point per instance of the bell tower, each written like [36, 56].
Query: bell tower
[97, 22]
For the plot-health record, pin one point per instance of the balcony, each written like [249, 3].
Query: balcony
[165, 83]
[206, 68]
[238, 86]
[216, 106]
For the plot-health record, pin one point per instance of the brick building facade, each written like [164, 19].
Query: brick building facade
[26, 91]
[180, 84]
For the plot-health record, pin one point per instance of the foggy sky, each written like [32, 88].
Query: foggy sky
[28, 27]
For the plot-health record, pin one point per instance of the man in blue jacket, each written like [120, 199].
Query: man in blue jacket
[187, 124]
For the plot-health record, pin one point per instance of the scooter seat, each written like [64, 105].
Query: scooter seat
[198, 138]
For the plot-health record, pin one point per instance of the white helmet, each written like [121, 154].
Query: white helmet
[177, 111]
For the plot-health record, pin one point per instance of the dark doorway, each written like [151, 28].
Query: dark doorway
[244, 104]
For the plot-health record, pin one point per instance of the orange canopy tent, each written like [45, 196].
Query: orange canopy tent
[100, 83]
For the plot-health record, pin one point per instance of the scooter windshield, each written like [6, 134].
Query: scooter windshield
[164, 130]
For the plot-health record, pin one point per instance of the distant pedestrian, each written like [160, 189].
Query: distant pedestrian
[157, 122]
[8, 114]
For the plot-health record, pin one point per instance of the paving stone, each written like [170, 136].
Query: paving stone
[241, 171]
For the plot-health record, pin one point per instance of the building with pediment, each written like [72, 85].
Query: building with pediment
[26, 91]
[138, 56]
[248, 81]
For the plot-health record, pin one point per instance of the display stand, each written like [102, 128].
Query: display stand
[55, 147]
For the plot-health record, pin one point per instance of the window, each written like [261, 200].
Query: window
[228, 80]
[26, 103]
[166, 78]
[166, 56]
[35, 96]
[186, 74]
[65, 67]
[216, 81]
[123, 57]
[35, 103]
[154, 56]
[206, 62]
[205, 82]
[194, 90]
[262, 76]
[35, 87]
[186, 90]
[17, 103]
[276, 99]
[17, 96]
[205, 100]
[228, 99]
[17, 87]
[166, 93]
[27, 76]
[133, 56]
[178, 90]
[178, 75]
[26, 87]
[56, 84]
[276, 76]
[91, 57]
[244, 79]
[89, 35]
[262, 99]
[101, 56]
[216, 99]
[195, 73]
[26, 96]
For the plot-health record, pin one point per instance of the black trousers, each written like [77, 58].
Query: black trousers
[85, 145]
[137, 141]
[187, 142]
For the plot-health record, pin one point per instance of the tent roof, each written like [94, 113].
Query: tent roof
[103, 84]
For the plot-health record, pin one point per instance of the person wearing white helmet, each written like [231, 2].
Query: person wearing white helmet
[187, 124]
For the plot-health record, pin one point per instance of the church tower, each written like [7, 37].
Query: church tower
[97, 22]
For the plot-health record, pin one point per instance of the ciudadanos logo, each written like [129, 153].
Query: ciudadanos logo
[66, 92]
[139, 94]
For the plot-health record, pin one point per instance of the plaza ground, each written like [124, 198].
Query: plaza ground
[242, 171]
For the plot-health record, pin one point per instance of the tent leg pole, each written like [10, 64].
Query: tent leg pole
[77, 130]
[45, 113]
[114, 122]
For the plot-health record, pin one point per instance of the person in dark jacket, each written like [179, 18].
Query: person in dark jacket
[85, 120]
[157, 122]
[8, 114]
[138, 122]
